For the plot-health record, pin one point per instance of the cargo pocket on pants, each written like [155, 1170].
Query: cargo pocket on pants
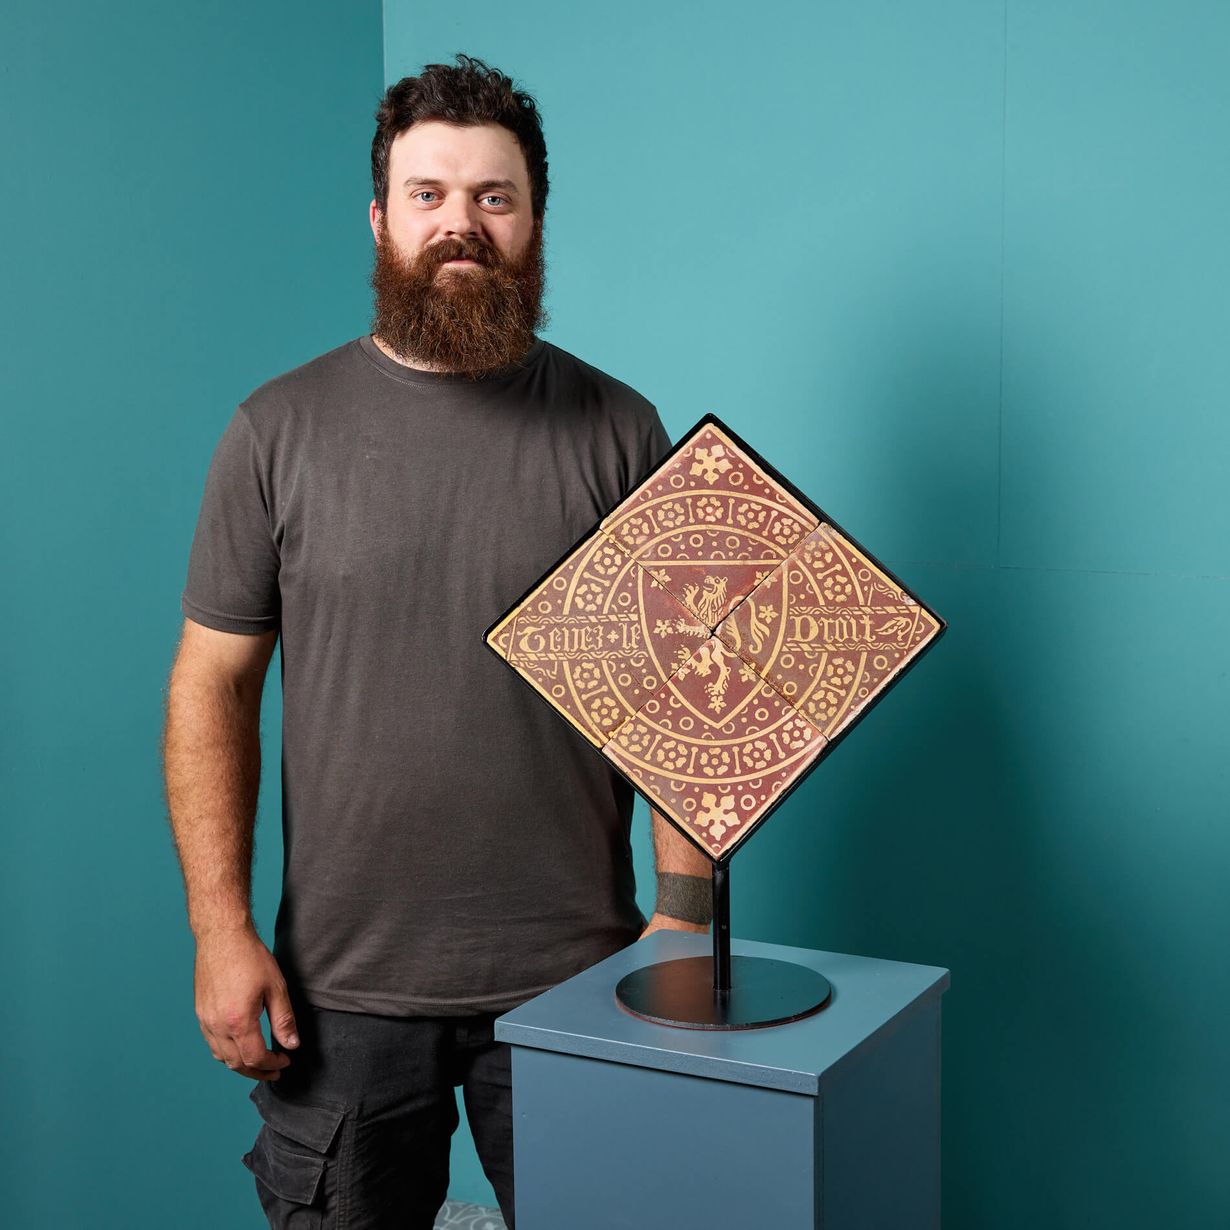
[289, 1158]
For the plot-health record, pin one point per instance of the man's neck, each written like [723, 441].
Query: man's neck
[418, 367]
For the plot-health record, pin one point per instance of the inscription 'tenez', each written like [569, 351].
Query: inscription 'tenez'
[714, 636]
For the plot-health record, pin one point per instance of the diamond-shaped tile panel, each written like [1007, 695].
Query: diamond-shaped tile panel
[710, 524]
[829, 629]
[711, 638]
[714, 747]
[597, 637]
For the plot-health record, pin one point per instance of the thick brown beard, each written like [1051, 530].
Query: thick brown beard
[469, 321]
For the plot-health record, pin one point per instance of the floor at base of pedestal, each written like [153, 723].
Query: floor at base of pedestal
[456, 1215]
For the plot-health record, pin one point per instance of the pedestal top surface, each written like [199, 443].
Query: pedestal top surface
[582, 1017]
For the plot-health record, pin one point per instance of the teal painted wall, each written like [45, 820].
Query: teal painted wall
[973, 257]
[184, 198]
[961, 270]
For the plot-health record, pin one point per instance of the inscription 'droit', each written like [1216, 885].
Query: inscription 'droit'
[866, 627]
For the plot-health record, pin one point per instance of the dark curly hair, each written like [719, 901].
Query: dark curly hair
[469, 92]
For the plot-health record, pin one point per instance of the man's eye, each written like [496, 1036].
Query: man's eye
[493, 198]
[426, 191]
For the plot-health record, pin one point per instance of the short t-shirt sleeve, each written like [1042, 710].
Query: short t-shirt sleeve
[654, 449]
[233, 565]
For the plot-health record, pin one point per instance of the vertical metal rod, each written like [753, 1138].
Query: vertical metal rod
[721, 928]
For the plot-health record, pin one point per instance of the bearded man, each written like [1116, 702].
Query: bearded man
[451, 847]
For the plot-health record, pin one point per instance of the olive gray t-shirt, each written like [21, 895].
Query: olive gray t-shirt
[452, 845]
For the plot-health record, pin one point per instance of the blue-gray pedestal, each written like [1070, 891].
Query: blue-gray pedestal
[832, 1121]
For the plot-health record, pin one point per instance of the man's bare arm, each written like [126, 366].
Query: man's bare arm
[211, 760]
[685, 881]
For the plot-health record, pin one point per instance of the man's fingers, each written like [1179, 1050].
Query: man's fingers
[252, 1052]
[245, 1053]
[258, 1074]
[218, 1046]
[262, 1060]
[224, 1050]
[231, 1058]
[281, 1016]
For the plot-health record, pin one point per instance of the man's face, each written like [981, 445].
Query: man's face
[458, 275]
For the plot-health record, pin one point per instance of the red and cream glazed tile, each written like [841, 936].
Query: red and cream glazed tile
[596, 637]
[714, 747]
[829, 629]
[709, 524]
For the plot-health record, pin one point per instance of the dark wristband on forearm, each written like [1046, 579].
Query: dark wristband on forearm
[687, 898]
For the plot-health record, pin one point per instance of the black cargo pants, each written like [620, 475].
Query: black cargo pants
[357, 1128]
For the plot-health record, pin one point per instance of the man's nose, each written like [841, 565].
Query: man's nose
[461, 221]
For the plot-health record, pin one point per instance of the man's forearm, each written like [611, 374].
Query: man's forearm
[685, 875]
[212, 762]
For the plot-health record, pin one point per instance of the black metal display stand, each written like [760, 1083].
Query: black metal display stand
[723, 992]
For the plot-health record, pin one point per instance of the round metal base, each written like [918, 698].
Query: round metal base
[762, 992]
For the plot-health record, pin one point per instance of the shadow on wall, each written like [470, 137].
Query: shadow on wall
[986, 817]
[914, 840]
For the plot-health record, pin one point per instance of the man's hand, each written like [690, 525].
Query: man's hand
[663, 922]
[236, 977]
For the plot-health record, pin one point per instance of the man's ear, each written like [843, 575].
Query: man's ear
[375, 217]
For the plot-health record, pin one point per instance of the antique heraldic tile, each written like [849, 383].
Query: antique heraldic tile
[713, 637]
